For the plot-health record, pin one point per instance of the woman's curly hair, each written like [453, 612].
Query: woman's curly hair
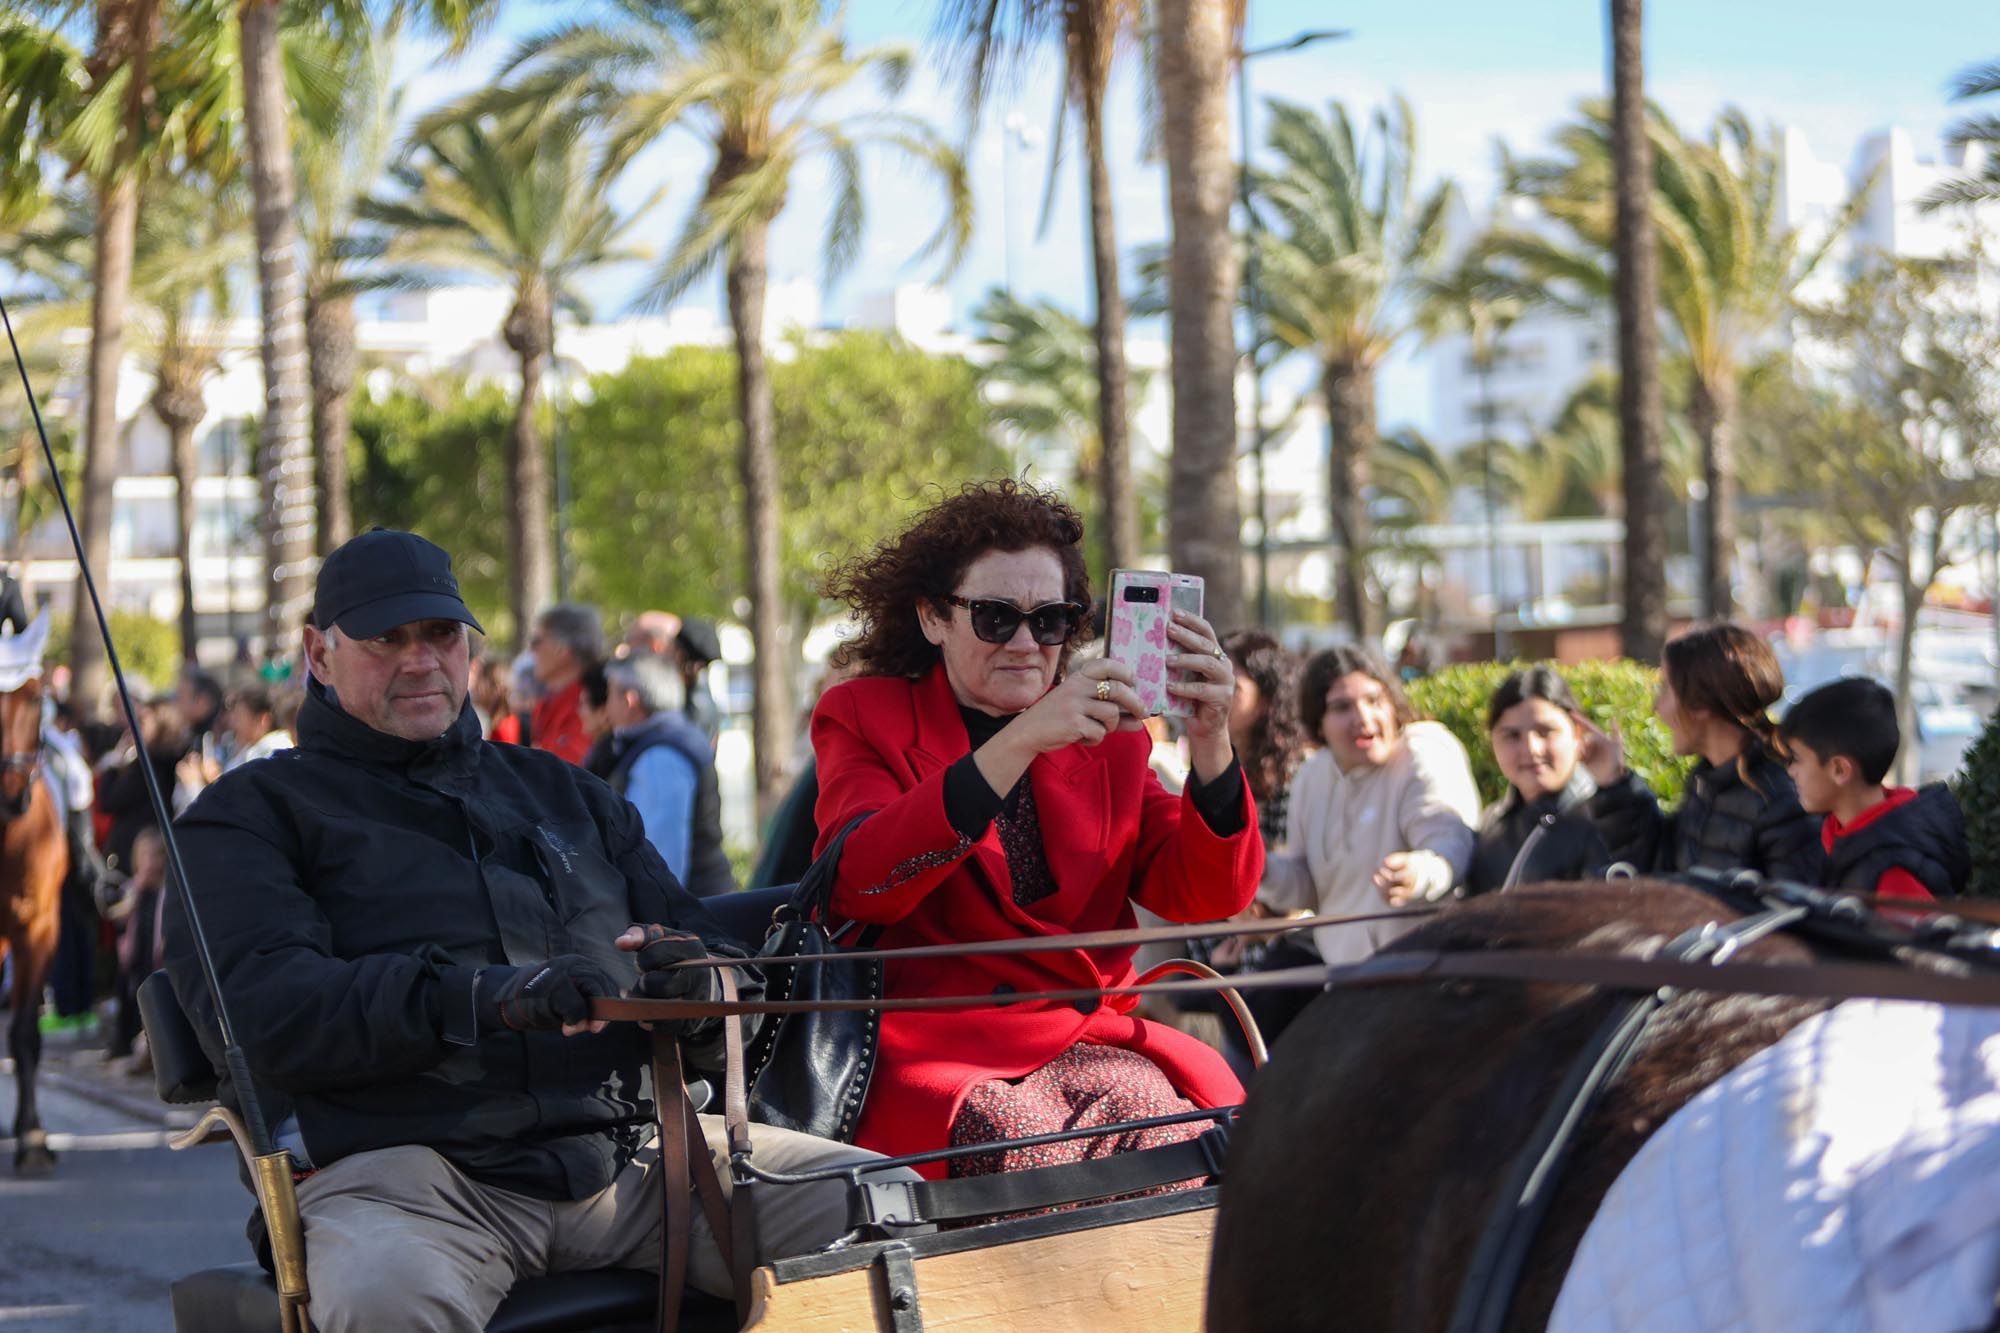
[930, 557]
[1278, 740]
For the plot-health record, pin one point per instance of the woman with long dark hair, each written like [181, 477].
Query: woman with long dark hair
[1740, 811]
[1264, 724]
[1544, 828]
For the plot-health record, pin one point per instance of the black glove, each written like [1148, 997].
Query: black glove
[659, 979]
[541, 997]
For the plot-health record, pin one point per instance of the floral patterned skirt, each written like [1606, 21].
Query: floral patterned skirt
[1085, 1086]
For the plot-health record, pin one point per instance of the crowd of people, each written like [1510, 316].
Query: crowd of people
[978, 770]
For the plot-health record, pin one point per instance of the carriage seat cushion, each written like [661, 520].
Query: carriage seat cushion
[240, 1298]
[181, 1071]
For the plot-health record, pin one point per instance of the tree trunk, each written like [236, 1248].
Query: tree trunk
[1204, 512]
[1119, 538]
[284, 436]
[1712, 414]
[1912, 588]
[125, 35]
[330, 349]
[117, 223]
[770, 704]
[1638, 293]
[1349, 391]
[531, 571]
[180, 408]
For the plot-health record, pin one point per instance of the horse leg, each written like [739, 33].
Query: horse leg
[32, 1155]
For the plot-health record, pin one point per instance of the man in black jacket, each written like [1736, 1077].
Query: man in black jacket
[409, 924]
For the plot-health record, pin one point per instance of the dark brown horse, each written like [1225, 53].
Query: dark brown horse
[34, 859]
[1374, 1144]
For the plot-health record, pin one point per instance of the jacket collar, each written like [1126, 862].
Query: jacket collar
[671, 727]
[941, 734]
[324, 725]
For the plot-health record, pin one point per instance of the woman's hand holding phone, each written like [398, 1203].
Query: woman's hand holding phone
[1095, 699]
[1209, 683]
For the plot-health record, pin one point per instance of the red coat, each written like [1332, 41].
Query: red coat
[556, 723]
[1112, 834]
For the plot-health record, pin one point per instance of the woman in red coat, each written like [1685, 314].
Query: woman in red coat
[1007, 793]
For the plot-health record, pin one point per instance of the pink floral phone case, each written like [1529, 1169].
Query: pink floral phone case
[1142, 606]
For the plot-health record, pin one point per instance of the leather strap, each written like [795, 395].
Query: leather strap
[1817, 981]
[1095, 939]
[685, 1159]
[671, 1105]
[902, 1203]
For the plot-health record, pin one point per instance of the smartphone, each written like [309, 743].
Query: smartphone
[1142, 605]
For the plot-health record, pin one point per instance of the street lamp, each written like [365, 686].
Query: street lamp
[1252, 226]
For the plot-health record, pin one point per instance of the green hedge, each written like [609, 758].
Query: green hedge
[1977, 787]
[1620, 692]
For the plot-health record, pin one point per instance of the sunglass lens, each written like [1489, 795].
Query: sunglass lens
[1052, 624]
[995, 622]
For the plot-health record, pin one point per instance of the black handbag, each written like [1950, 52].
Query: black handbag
[810, 1072]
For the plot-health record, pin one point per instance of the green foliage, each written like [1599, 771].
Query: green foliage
[1977, 787]
[148, 649]
[864, 425]
[435, 462]
[1619, 692]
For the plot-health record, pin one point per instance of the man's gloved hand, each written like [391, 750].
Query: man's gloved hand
[542, 997]
[659, 949]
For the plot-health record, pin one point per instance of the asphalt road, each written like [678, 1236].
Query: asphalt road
[92, 1246]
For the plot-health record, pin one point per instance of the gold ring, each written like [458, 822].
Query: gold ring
[1103, 691]
[1221, 656]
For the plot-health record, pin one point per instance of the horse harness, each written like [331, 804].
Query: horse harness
[1486, 1296]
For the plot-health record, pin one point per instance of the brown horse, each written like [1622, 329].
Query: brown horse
[1375, 1143]
[34, 859]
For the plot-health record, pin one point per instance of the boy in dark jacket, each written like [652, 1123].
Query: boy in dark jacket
[1893, 842]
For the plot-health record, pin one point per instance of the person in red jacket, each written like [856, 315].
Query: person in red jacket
[567, 639]
[1007, 793]
[1893, 842]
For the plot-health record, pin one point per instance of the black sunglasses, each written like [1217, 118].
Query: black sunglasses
[1050, 623]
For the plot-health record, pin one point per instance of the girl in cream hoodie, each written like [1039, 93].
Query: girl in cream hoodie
[1381, 817]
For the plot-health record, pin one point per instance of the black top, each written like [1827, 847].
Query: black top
[1568, 846]
[351, 887]
[1925, 836]
[1741, 816]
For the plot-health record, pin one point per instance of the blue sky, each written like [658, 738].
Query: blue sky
[1472, 69]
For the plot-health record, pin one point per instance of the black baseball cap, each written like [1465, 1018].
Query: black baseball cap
[697, 640]
[383, 578]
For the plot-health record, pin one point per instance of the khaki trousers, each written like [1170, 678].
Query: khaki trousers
[399, 1238]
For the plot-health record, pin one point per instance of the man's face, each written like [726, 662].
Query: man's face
[555, 663]
[409, 682]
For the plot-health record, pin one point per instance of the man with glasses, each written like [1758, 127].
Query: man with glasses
[409, 924]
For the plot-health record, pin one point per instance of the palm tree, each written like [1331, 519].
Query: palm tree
[1413, 483]
[1341, 274]
[1636, 281]
[1482, 303]
[751, 79]
[1981, 130]
[1196, 42]
[1730, 267]
[338, 166]
[262, 29]
[193, 238]
[992, 39]
[512, 199]
[1046, 377]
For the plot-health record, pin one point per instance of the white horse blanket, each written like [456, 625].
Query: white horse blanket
[1845, 1180]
